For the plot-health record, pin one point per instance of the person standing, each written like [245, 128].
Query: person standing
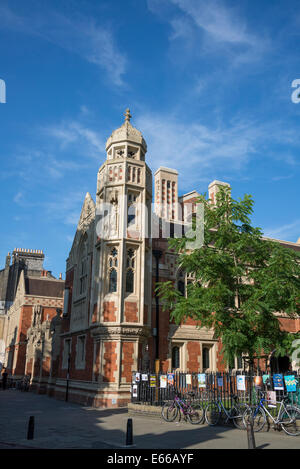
[4, 379]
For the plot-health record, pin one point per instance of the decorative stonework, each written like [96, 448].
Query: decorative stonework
[121, 331]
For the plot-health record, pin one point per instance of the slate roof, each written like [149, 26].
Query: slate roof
[44, 287]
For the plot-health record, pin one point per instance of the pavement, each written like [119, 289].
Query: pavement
[64, 425]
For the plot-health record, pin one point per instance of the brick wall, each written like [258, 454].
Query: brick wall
[127, 361]
[193, 356]
[110, 361]
[109, 311]
[131, 311]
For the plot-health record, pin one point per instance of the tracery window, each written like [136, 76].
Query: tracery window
[131, 216]
[130, 271]
[113, 273]
[82, 267]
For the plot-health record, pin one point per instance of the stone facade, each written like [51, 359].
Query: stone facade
[28, 261]
[29, 328]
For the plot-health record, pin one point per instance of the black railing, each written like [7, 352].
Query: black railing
[155, 389]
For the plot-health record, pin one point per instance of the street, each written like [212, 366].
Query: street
[64, 425]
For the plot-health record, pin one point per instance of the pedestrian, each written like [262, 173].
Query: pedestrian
[4, 378]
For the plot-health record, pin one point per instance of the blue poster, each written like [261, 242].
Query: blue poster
[278, 382]
[290, 383]
[170, 379]
[220, 382]
[201, 380]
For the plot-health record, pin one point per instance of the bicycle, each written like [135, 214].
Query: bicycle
[287, 418]
[216, 408]
[191, 410]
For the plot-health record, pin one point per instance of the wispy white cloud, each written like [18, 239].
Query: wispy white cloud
[289, 232]
[94, 42]
[74, 132]
[222, 29]
[218, 21]
[210, 150]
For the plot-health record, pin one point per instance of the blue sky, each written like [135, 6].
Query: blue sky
[208, 83]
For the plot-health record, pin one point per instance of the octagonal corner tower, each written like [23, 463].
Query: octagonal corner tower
[122, 260]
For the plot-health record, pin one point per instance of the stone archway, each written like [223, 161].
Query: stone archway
[281, 364]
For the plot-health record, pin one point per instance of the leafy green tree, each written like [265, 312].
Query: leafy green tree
[240, 281]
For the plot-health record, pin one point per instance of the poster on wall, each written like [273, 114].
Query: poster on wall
[137, 377]
[163, 381]
[290, 383]
[144, 377]
[188, 379]
[258, 382]
[271, 398]
[241, 383]
[201, 380]
[134, 390]
[278, 382]
[152, 381]
[170, 379]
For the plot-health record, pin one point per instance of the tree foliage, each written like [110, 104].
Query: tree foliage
[240, 281]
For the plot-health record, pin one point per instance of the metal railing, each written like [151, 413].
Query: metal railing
[155, 389]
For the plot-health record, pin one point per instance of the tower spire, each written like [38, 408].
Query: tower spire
[127, 115]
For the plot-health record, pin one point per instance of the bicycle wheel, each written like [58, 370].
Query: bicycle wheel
[195, 414]
[169, 411]
[259, 418]
[237, 414]
[212, 413]
[290, 420]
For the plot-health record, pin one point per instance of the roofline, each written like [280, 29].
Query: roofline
[281, 241]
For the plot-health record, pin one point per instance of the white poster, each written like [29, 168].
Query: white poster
[144, 377]
[163, 381]
[134, 390]
[188, 379]
[241, 383]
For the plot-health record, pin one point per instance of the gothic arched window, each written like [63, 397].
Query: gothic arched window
[113, 274]
[130, 266]
[129, 281]
[82, 267]
[131, 215]
[113, 280]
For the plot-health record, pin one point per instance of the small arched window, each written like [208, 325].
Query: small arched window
[113, 280]
[175, 357]
[181, 287]
[130, 265]
[129, 281]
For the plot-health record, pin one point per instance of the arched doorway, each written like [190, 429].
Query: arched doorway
[279, 364]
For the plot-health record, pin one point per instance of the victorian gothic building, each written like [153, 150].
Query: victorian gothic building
[112, 322]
